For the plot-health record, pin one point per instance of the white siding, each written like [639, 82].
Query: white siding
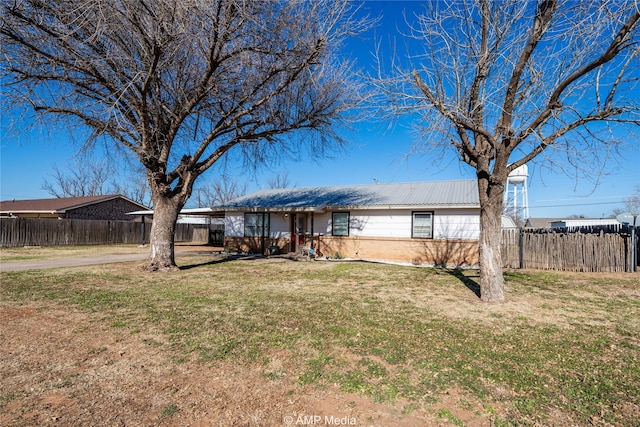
[279, 226]
[234, 224]
[447, 224]
[194, 219]
[322, 223]
[457, 224]
[381, 223]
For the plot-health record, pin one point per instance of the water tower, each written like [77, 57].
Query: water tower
[516, 198]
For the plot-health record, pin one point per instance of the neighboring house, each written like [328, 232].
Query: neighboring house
[540, 222]
[508, 223]
[569, 222]
[418, 222]
[584, 222]
[108, 207]
[200, 216]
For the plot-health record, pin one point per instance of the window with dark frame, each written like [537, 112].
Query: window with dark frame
[340, 224]
[256, 224]
[422, 225]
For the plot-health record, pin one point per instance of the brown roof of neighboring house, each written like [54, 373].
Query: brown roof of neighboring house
[59, 205]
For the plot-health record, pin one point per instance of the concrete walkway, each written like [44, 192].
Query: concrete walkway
[39, 264]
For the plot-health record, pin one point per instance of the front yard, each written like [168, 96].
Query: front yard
[277, 342]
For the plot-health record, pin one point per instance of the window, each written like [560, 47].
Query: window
[422, 225]
[256, 225]
[340, 224]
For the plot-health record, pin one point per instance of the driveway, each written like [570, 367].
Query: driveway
[39, 264]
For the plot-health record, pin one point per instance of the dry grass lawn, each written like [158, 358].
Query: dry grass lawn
[272, 342]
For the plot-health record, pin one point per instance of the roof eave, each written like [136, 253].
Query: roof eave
[31, 211]
[405, 207]
[317, 209]
[321, 209]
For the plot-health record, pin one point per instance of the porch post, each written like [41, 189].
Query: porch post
[263, 247]
[311, 244]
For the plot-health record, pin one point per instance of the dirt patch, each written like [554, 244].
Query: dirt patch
[63, 368]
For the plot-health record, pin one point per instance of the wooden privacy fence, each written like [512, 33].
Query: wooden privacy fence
[593, 249]
[16, 232]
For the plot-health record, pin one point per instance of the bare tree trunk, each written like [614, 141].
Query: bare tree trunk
[161, 240]
[490, 256]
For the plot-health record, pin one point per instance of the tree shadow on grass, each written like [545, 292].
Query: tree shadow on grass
[219, 259]
[470, 283]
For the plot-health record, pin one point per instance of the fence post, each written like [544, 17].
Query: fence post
[521, 247]
[634, 248]
[142, 236]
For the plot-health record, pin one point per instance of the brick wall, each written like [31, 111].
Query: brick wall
[254, 244]
[416, 251]
[114, 209]
[448, 252]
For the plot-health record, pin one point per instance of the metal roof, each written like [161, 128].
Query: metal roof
[436, 194]
[212, 212]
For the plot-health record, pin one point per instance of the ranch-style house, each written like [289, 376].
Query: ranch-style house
[430, 223]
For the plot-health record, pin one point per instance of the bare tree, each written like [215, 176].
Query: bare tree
[631, 203]
[279, 180]
[181, 83]
[504, 82]
[134, 186]
[88, 177]
[84, 178]
[220, 192]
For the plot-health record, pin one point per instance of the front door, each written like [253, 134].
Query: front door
[298, 231]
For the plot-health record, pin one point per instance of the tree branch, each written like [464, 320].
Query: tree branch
[544, 14]
[554, 102]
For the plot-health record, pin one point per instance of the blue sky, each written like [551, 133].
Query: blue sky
[27, 158]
